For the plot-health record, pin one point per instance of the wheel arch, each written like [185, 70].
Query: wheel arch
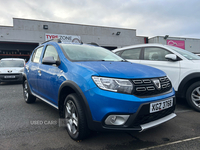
[67, 88]
[24, 78]
[186, 82]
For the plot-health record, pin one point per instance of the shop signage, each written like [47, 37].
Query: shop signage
[176, 43]
[63, 38]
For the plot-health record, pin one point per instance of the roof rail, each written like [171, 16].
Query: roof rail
[57, 40]
[92, 43]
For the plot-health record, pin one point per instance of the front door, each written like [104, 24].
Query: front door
[155, 57]
[48, 78]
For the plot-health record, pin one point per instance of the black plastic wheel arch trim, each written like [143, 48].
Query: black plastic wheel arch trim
[78, 91]
[182, 86]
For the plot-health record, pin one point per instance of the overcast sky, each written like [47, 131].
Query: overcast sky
[177, 18]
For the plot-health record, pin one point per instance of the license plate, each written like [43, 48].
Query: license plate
[161, 105]
[9, 77]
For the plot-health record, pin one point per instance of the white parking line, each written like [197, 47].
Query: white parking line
[172, 143]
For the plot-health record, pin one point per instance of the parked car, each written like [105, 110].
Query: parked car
[11, 69]
[94, 89]
[182, 67]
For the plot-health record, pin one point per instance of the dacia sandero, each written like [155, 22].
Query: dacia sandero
[94, 89]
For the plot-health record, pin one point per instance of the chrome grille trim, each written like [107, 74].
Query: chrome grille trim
[162, 79]
[147, 81]
[164, 86]
[150, 88]
[137, 81]
[140, 89]
[145, 87]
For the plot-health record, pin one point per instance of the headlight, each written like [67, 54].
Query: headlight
[112, 84]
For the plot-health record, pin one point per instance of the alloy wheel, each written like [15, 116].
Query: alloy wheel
[26, 91]
[71, 117]
[195, 96]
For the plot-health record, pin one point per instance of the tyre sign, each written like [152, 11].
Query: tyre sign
[63, 38]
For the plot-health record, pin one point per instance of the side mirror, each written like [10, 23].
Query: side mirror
[171, 57]
[50, 61]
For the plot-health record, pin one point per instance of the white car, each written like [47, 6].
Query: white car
[182, 67]
[11, 69]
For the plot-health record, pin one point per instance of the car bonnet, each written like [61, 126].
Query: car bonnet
[10, 69]
[122, 69]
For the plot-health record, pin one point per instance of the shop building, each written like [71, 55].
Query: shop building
[190, 44]
[20, 39]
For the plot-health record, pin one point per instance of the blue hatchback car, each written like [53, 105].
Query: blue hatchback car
[94, 89]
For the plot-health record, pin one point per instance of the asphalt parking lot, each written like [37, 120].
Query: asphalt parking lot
[34, 126]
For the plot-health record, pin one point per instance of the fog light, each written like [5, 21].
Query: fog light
[116, 119]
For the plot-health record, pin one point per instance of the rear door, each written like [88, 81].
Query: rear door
[132, 55]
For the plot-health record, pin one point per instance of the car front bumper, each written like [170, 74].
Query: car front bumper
[11, 77]
[104, 103]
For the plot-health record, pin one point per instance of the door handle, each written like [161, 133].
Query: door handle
[39, 72]
[27, 68]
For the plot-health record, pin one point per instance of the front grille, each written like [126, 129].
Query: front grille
[146, 117]
[147, 87]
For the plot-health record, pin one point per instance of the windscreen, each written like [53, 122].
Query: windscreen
[89, 53]
[11, 63]
[185, 53]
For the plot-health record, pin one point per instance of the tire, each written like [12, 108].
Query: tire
[193, 96]
[76, 123]
[28, 97]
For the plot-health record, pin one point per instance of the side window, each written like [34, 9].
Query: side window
[51, 51]
[118, 53]
[131, 54]
[36, 55]
[33, 55]
[155, 53]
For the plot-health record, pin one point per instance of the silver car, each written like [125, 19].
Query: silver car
[11, 69]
